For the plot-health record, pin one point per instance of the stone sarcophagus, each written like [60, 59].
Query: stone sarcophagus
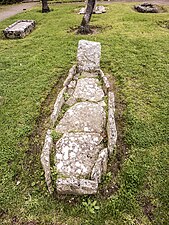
[19, 29]
[87, 136]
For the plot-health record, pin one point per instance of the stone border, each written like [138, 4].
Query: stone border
[100, 166]
[111, 126]
[60, 98]
[45, 159]
[57, 106]
[19, 33]
[76, 186]
[70, 76]
[106, 85]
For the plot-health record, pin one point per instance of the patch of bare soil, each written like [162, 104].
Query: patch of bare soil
[147, 206]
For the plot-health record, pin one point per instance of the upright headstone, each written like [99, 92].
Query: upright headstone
[88, 55]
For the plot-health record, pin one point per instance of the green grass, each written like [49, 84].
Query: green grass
[135, 51]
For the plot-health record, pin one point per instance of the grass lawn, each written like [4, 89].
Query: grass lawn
[135, 53]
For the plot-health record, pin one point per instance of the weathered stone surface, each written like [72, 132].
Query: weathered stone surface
[76, 186]
[99, 10]
[146, 8]
[88, 55]
[111, 126]
[70, 76]
[100, 166]
[106, 85]
[58, 105]
[83, 117]
[19, 29]
[45, 159]
[76, 154]
[88, 89]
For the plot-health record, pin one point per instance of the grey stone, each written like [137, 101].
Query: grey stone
[82, 10]
[71, 87]
[88, 89]
[76, 154]
[70, 76]
[45, 159]
[111, 126]
[71, 101]
[100, 166]
[83, 117]
[19, 29]
[146, 8]
[106, 84]
[58, 105]
[88, 55]
[99, 10]
[76, 186]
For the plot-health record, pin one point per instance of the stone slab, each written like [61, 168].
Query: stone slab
[83, 117]
[19, 29]
[76, 186]
[45, 159]
[88, 89]
[76, 154]
[88, 55]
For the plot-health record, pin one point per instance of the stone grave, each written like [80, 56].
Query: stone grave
[96, 10]
[19, 29]
[87, 130]
[146, 8]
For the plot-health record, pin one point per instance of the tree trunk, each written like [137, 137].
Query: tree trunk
[84, 27]
[45, 7]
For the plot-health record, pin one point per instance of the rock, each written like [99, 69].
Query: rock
[111, 126]
[70, 76]
[83, 117]
[99, 10]
[88, 55]
[100, 166]
[106, 85]
[88, 89]
[76, 154]
[58, 105]
[76, 186]
[146, 8]
[82, 10]
[19, 29]
[45, 159]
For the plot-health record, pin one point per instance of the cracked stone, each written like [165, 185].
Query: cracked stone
[88, 89]
[76, 186]
[76, 154]
[83, 116]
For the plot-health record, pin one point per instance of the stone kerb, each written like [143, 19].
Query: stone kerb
[81, 152]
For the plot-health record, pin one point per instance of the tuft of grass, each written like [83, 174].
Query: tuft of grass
[136, 52]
